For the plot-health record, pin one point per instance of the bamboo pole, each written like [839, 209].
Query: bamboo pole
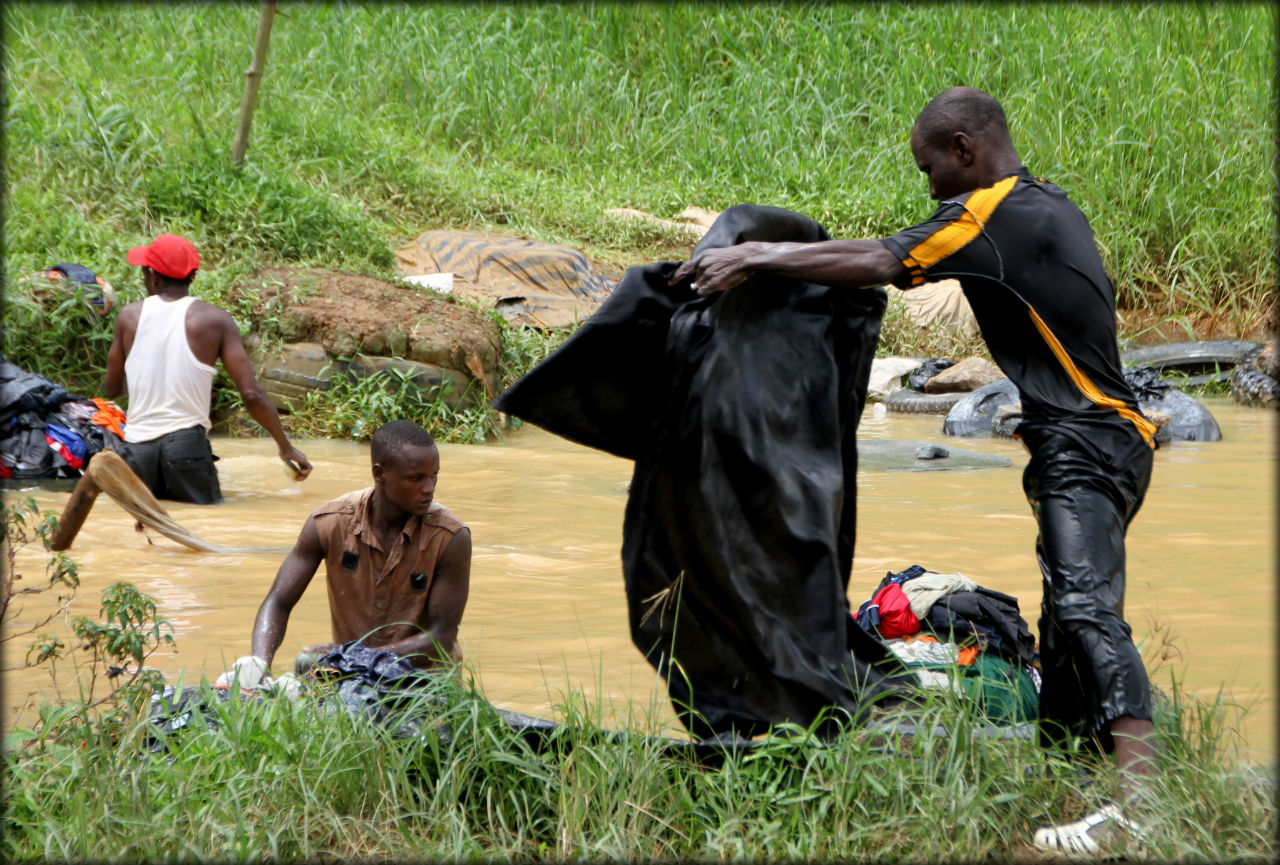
[252, 78]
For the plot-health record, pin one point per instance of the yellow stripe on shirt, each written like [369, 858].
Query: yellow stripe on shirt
[1145, 427]
[957, 234]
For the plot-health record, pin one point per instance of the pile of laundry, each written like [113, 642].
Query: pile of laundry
[46, 432]
[956, 634]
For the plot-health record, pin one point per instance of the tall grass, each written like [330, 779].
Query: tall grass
[377, 121]
[296, 782]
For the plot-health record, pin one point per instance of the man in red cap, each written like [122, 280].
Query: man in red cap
[165, 347]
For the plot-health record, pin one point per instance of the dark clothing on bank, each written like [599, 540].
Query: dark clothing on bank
[45, 432]
[990, 616]
[740, 410]
[178, 466]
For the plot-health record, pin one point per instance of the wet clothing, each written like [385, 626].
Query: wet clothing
[177, 466]
[927, 589]
[1092, 671]
[740, 410]
[1027, 261]
[169, 389]
[965, 612]
[375, 595]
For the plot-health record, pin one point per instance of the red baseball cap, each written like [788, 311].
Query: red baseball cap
[169, 255]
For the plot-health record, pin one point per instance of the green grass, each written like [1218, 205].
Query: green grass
[378, 121]
[293, 782]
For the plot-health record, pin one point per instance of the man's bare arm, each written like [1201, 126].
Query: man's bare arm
[235, 360]
[113, 382]
[837, 263]
[291, 581]
[438, 644]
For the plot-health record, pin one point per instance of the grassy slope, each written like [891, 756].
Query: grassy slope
[376, 122]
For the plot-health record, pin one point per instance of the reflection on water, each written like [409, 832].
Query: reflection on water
[547, 615]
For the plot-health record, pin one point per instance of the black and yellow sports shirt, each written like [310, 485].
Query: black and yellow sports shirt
[1027, 262]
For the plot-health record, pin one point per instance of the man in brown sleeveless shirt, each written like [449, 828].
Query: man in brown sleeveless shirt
[397, 563]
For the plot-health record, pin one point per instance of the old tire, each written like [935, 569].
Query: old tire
[907, 401]
[1201, 356]
[974, 413]
[1252, 386]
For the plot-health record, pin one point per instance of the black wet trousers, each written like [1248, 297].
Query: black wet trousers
[177, 466]
[1092, 671]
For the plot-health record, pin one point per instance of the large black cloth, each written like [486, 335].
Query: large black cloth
[740, 411]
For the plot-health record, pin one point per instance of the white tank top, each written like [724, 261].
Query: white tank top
[169, 389]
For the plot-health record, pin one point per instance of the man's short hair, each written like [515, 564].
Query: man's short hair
[960, 109]
[391, 437]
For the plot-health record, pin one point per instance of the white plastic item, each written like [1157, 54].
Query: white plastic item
[438, 281]
[247, 672]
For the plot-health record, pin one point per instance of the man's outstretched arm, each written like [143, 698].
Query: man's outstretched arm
[837, 263]
[235, 360]
[291, 581]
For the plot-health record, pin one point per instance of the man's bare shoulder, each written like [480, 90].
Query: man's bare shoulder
[130, 310]
[127, 320]
[209, 314]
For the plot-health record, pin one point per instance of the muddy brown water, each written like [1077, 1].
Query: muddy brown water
[546, 624]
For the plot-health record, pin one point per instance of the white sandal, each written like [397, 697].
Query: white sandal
[1073, 839]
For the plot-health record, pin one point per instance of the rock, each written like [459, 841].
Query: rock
[1006, 420]
[932, 452]
[1164, 433]
[887, 374]
[973, 414]
[1188, 418]
[967, 375]
[290, 371]
[891, 455]
[349, 315]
